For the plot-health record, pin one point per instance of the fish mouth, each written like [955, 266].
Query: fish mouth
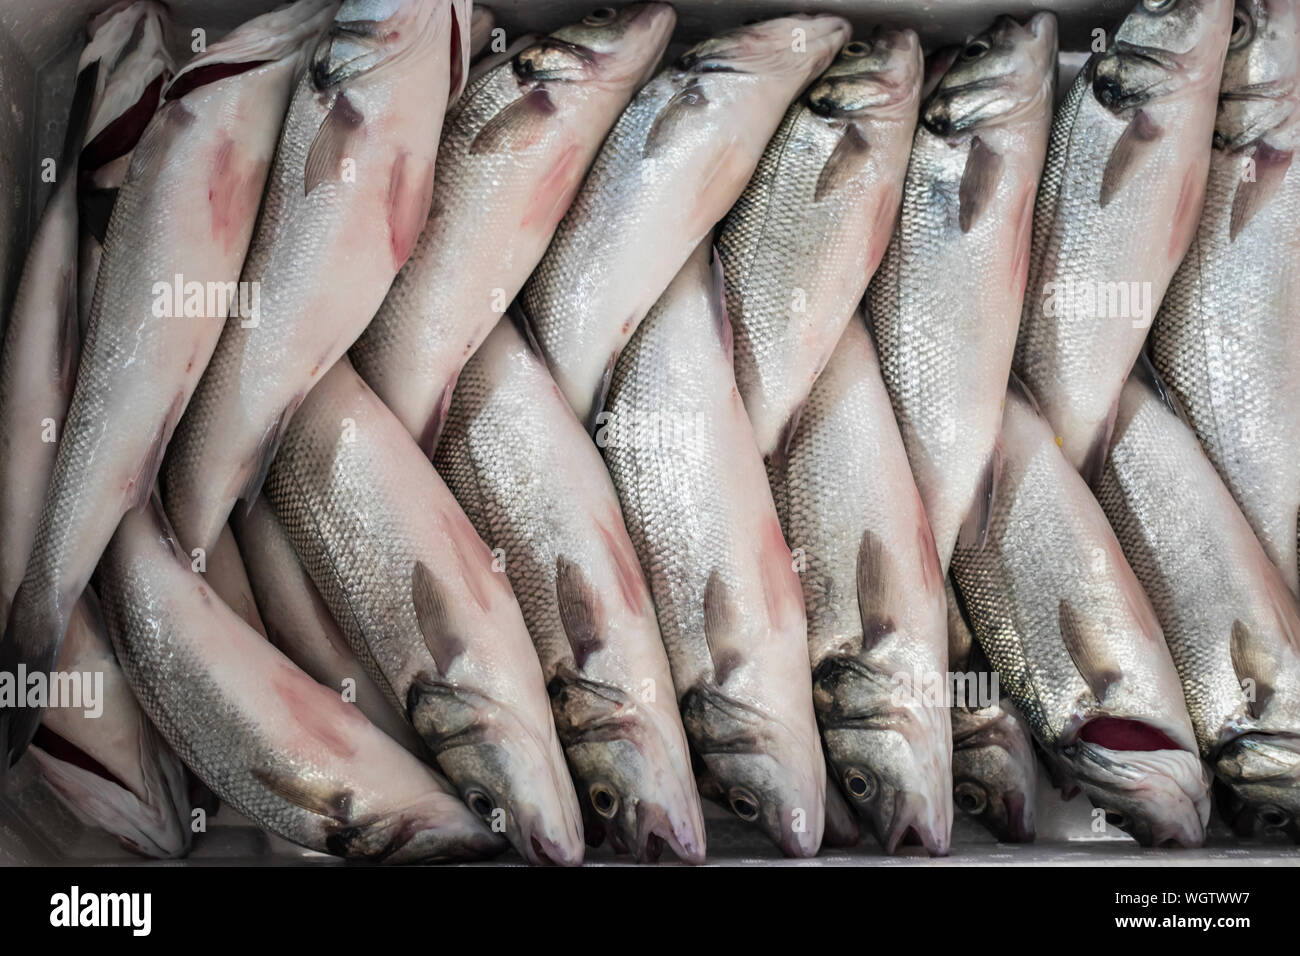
[776, 793]
[1129, 75]
[994, 772]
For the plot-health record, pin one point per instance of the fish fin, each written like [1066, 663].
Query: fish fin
[679, 108]
[1130, 152]
[146, 477]
[979, 183]
[974, 531]
[410, 200]
[601, 393]
[1019, 391]
[267, 446]
[877, 590]
[844, 163]
[94, 209]
[789, 430]
[579, 607]
[1098, 671]
[719, 622]
[432, 432]
[718, 305]
[297, 790]
[1252, 662]
[1094, 463]
[524, 324]
[156, 142]
[1270, 166]
[517, 126]
[83, 101]
[434, 618]
[332, 143]
[1146, 373]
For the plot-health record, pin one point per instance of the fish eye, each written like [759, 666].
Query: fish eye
[604, 799]
[971, 798]
[480, 803]
[1116, 819]
[1273, 817]
[1243, 29]
[975, 49]
[1159, 6]
[857, 49]
[599, 17]
[860, 784]
[743, 804]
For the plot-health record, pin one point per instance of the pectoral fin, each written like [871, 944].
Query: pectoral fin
[1131, 150]
[518, 126]
[433, 616]
[979, 183]
[684, 104]
[332, 144]
[1098, 670]
[580, 611]
[844, 163]
[1254, 193]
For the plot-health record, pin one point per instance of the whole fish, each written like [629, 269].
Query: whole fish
[1227, 337]
[423, 607]
[108, 763]
[1232, 624]
[1076, 643]
[513, 153]
[945, 303]
[183, 218]
[695, 496]
[535, 488]
[675, 162]
[347, 198]
[1117, 207]
[801, 243]
[271, 742]
[877, 621]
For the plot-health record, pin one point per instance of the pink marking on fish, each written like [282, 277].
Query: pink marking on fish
[781, 588]
[882, 228]
[1187, 213]
[1024, 226]
[473, 559]
[555, 192]
[409, 203]
[316, 710]
[234, 194]
[631, 582]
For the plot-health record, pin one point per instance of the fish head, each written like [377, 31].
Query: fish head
[762, 771]
[371, 35]
[871, 76]
[798, 44]
[993, 771]
[1262, 775]
[619, 48]
[1258, 92]
[1161, 48]
[890, 753]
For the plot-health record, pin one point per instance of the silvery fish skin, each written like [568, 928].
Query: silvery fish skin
[1076, 643]
[694, 491]
[268, 740]
[994, 773]
[187, 208]
[112, 767]
[801, 243]
[300, 625]
[1119, 201]
[675, 162]
[423, 607]
[347, 197]
[945, 302]
[1230, 621]
[877, 618]
[514, 150]
[535, 488]
[1227, 337]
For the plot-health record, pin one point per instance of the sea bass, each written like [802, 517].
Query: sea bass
[675, 162]
[1232, 624]
[945, 303]
[347, 198]
[1227, 337]
[877, 618]
[514, 150]
[271, 742]
[1076, 643]
[424, 608]
[801, 243]
[186, 210]
[699, 511]
[536, 489]
[1117, 207]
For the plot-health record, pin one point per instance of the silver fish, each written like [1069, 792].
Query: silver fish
[1076, 643]
[347, 198]
[877, 620]
[801, 243]
[535, 488]
[695, 496]
[1227, 337]
[271, 742]
[678, 158]
[945, 303]
[1117, 207]
[434, 623]
[514, 151]
[1232, 624]
[187, 209]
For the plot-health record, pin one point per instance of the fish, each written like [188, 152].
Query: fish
[514, 151]
[276, 746]
[994, 772]
[877, 617]
[945, 303]
[228, 578]
[804, 238]
[186, 209]
[1117, 207]
[697, 505]
[1076, 644]
[1228, 616]
[1226, 340]
[112, 768]
[415, 590]
[300, 626]
[535, 488]
[674, 163]
[482, 25]
[348, 195]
